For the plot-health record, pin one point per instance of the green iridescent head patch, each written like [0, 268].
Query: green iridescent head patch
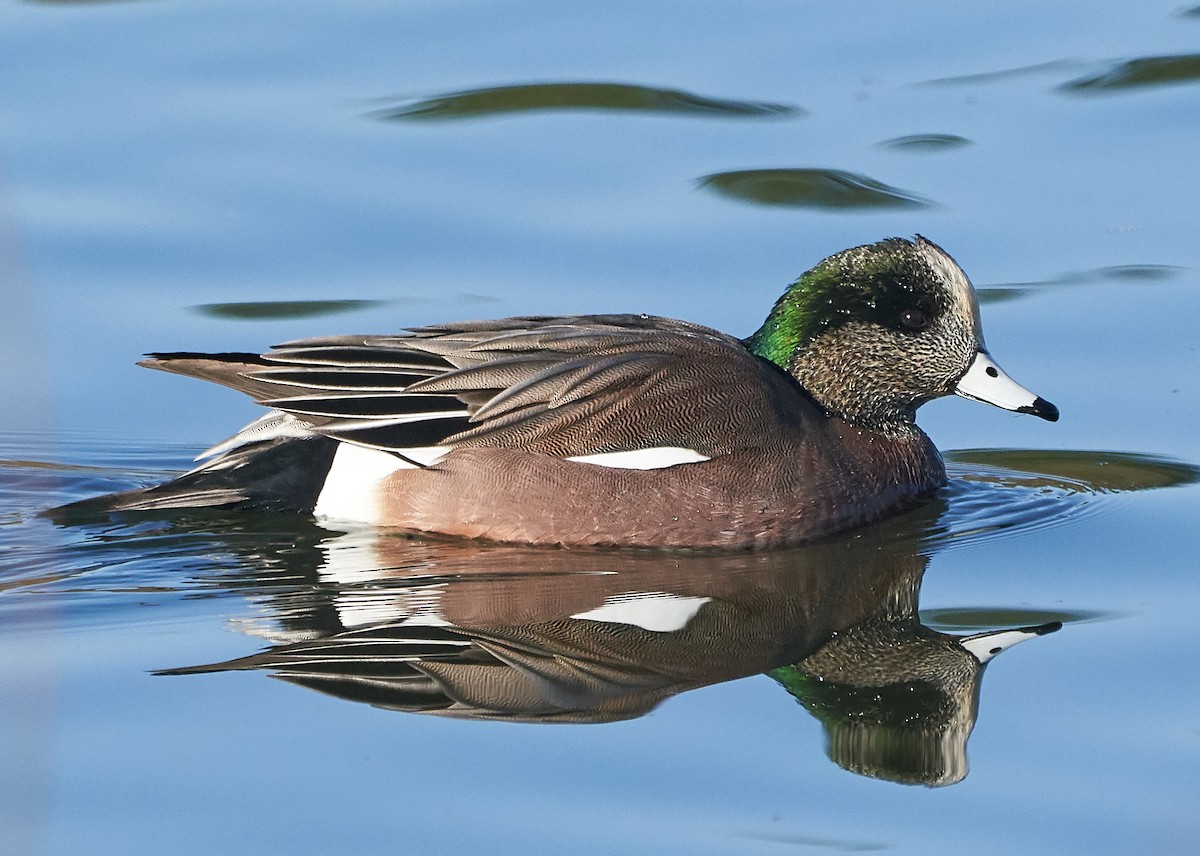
[886, 283]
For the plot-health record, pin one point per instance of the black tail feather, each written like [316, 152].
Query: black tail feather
[283, 474]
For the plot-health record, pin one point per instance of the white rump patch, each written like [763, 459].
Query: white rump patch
[658, 612]
[351, 489]
[657, 458]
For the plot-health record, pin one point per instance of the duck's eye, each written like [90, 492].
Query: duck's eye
[913, 319]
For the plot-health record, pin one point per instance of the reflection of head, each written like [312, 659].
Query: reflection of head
[898, 700]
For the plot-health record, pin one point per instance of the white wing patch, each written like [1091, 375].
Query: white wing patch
[351, 489]
[658, 612]
[656, 458]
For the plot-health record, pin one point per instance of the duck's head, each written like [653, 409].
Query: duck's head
[876, 331]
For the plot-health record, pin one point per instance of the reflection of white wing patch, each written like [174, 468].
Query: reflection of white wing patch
[657, 458]
[351, 563]
[658, 612]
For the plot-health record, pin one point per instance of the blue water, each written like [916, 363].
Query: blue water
[223, 176]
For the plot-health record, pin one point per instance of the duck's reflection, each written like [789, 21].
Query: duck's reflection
[506, 633]
[898, 700]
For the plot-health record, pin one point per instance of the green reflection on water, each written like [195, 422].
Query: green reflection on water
[281, 309]
[981, 618]
[501, 100]
[1002, 294]
[926, 143]
[1143, 273]
[810, 188]
[1138, 73]
[1050, 67]
[1098, 471]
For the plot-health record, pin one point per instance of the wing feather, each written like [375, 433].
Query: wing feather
[571, 381]
[567, 386]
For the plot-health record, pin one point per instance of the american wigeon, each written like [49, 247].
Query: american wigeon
[620, 430]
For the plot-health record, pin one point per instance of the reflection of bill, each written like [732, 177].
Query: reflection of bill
[506, 633]
[499, 101]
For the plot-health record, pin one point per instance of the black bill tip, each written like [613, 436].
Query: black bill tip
[1048, 627]
[1041, 407]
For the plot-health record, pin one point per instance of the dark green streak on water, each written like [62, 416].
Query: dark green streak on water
[282, 309]
[1138, 273]
[1000, 293]
[983, 618]
[1138, 74]
[987, 77]
[541, 97]
[1099, 471]
[926, 143]
[1003, 294]
[810, 188]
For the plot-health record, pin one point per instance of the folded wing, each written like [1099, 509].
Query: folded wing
[564, 386]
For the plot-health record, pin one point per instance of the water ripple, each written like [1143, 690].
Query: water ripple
[544, 97]
[980, 619]
[1138, 74]
[996, 492]
[1129, 273]
[262, 310]
[925, 143]
[810, 188]
[991, 493]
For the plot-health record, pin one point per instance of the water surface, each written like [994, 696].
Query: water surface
[226, 176]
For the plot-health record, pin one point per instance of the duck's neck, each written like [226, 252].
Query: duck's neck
[778, 338]
[854, 398]
[830, 381]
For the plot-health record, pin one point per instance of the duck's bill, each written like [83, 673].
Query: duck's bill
[985, 381]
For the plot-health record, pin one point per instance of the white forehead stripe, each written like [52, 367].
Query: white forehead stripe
[656, 458]
[958, 286]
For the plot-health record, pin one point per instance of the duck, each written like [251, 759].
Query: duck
[613, 430]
